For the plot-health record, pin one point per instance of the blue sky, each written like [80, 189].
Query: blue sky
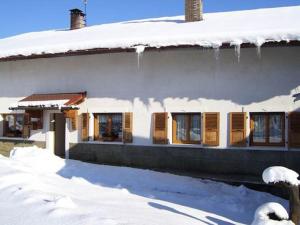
[20, 16]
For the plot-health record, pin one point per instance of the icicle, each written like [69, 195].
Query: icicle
[217, 53]
[237, 49]
[139, 50]
[258, 51]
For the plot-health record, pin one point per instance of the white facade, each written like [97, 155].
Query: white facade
[183, 80]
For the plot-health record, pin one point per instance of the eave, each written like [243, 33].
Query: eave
[148, 49]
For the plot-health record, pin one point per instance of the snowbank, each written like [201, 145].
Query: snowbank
[36, 186]
[252, 26]
[262, 215]
[41, 160]
[278, 174]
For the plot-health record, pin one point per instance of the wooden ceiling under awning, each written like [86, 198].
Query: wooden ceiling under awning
[46, 101]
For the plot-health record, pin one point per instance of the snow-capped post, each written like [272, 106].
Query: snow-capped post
[271, 213]
[288, 179]
[193, 10]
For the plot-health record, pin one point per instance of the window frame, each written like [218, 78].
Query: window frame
[267, 129]
[4, 115]
[108, 139]
[188, 117]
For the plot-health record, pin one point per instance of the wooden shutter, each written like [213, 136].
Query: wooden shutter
[211, 129]
[96, 127]
[160, 128]
[26, 126]
[85, 126]
[72, 114]
[238, 129]
[127, 128]
[294, 129]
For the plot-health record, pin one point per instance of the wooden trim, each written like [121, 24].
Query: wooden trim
[188, 122]
[267, 130]
[120, 50]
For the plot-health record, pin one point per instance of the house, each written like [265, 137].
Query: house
[219, 83]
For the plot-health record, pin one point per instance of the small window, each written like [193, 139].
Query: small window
[109, 127]
[35, 119]
[187, 128]
[267, 129]
[13, 125]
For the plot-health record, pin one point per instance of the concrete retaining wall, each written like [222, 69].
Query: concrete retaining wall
[196, 160]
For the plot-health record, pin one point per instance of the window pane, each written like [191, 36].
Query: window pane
[195, 132]
[276, 131]
[117, 126]
[103, 126]
[259, 134]
[181, 127]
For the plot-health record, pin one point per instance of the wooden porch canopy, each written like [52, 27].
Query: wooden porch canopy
[62, 101]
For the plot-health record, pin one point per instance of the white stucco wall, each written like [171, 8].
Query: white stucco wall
[187, 80]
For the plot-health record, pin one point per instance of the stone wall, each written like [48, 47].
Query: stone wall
[187, 160]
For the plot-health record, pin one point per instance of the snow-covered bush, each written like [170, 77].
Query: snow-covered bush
[271, 214]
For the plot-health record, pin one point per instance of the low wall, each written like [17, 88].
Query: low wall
[193, 160]
[6, 145]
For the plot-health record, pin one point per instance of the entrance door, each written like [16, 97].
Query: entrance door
[60, 132]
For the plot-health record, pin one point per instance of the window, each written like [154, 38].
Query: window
[108, 127]
[187, 128]
[13, 125]
[267, 129]
[35, 119]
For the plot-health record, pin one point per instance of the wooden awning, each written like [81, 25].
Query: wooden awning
[63, 101]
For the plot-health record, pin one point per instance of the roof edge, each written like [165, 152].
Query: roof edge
[95, 51]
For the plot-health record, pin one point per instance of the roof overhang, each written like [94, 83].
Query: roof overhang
[54, 101]
[133, 49]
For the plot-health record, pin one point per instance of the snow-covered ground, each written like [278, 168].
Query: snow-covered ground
[38, 188]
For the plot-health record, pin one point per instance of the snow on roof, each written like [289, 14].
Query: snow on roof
[235, 28]
[278, 174]
[262, 215]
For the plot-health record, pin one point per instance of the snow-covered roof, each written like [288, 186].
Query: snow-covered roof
[234, 28]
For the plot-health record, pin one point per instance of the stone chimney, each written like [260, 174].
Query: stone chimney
[193, 10]
[77, 19]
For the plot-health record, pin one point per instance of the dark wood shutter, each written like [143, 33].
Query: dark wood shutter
[294, 129]
[160, 128]
[127, 128]
[211, 130]
[26, 126]
[85, 126]
[238, 129]
[96, 127]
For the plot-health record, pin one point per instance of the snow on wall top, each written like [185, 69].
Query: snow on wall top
[252, 26]
[276, 174]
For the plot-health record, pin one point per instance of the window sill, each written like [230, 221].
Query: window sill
[14, 138]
